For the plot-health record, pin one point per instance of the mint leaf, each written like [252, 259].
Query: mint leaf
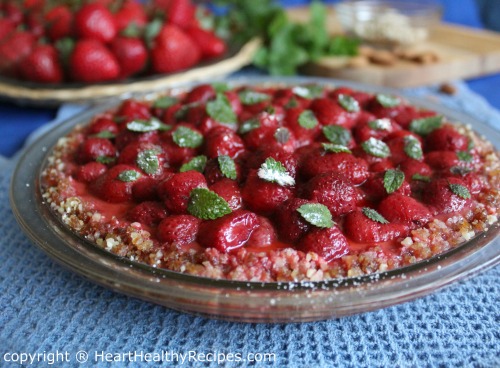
[393, 179]
[197, 163]
[412, 147]
[249, 125]
[129, 175]
[148, 161]
[165, 102]
[182, 113]
[249, 97]
[376, 148]
[143, 126]
[220, 87]
[425, 126]
[221, 110]
[316, 214]
[151, 31]
[464, 156]
[282, 135]
[207, 205]
[274, 172]
[380, 124]
[348, 103]
[227, 167]
[337, 135]
[387, 100]
[460, 190]
[307, 119]
[106, 134]
[187, 137]
[292, 102]
[105, 160]
[374, 215]
[420, 177]
[460, 170]
[335, 148]
[309, 91]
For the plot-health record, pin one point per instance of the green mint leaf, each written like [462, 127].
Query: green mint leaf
[420, 177]
[274, 172]
[151, 31]
[307, 119]
[413, 148]
[376, 148]
[220, 87]
[291, 103]
[129, 175]
[249, 125]
[187, 137]
[182, 113]
[106, 134]
[393, 179]
[460, 190]
[374, 215]
[348, 103]
[335, 148]
[148, 161]
[464, 156]
[308, 91]
[282, 135]
[143, 126]
[249, 97]
[460, 170]
[316, 214]
[380, 124]
[387, 100]
[337, 135]
[207, 205]
[165, 102]
[227, 167]
[221, 110]
[425, 126]
[105, 160]
[470, 144]
[197, 163]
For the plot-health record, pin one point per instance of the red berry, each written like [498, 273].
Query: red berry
[397, 143]
[102, 124]
[131, 155]
[175, 190]
[147, 213]
[210, 45]
[179, 230]
[91, 61]
[200, 94]
[223, 141]
[329, 243]
[130, 13]
[92, 148]
[359, 228]
[111, 188]
[374, 187]
[6, 28]
[90, 171]
[181, 13]
[304, 135]
[95, 21]
[228, 232]
[446, 138]
[442, 160]
[130, 53]
[173, 50]
[411, 167]
[134, 110]
[263, 235]
[59, 22]
[329, 112]
[398, 208]
[440, 196]
[13, 49]
[292, 225]
[42, 65]
[334, 191]
[229, 190]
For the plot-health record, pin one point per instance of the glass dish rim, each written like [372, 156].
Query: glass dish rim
[340, 283]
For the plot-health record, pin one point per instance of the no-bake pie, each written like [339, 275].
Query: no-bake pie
[273, 183]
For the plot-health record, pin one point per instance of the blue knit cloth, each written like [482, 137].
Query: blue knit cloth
[47, 309]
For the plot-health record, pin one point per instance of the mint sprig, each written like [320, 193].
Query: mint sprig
[308, 91]
[165, 102]
[187, 138]
[316, 214]
[348, 103]
[282, 135]
[420, 177]
[376, 147]
[106, 160]
[148, 161]
[307, 119]
[425, 126]
[337, 134]
[227, 167]
[380, 124]
[106, 134]
[460, 190]
[197, 163]
[249, 97]
[374, 215]
[129, 176]
[387, 100]
[393, 179]
[464, 156]
[221, 110]
[143, 126]
[335, 148]
[413, 148]
[249, 125]
[207, 205]
[273, 171]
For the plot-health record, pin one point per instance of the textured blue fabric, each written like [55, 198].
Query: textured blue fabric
[46, 308]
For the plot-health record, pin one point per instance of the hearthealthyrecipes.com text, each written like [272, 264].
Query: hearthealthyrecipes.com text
[83, 356]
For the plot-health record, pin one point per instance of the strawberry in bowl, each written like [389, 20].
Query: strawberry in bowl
[273, 182]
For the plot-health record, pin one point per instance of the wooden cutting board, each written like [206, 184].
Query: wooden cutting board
[463, 53]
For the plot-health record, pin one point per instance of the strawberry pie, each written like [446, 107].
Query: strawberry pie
[278, 183]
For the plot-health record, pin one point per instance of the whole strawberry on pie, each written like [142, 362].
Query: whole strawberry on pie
[102, 41]
[272, 183]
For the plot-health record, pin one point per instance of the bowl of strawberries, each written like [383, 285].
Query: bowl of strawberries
[53, 53]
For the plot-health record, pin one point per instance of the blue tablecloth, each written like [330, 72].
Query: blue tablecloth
[49, 311]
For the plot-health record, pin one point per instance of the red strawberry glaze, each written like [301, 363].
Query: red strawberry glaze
[274, 196]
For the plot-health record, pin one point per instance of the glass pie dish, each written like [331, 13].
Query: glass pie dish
[237, 300]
